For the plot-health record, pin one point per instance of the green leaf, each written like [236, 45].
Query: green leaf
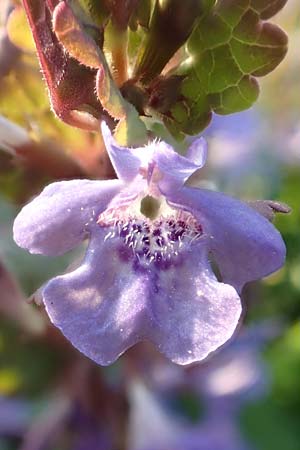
[268, 426]
[171, 24]
[141, 15]
[230, 46]
[93, 12]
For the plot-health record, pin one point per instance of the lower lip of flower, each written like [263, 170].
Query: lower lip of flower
[159, 242]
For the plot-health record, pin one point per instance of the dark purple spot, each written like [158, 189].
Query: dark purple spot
[123, 232]
[158, 256]
[173, 236]
[137, 227]
[146, 240]
[199, 228]
[162, 264]
[125, 253]
[156, 232]
[160, 241]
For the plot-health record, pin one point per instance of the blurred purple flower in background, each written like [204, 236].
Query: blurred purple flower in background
[240, 157]
[233, 143]
[152, 427]
[147, 272]
[90, 434]
[245, 157]
[237, 374]
[223, 384]
[15, 416]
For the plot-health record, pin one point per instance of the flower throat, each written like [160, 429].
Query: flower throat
[154, 233]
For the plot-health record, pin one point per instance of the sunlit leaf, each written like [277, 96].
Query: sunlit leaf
[228, 49]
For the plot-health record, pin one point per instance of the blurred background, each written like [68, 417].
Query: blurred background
[247, 395]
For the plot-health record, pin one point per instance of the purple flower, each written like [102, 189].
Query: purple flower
[15, 416]
[147, 273]
[152, 427]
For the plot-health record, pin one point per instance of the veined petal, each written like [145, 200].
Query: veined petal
[61, 216]
[245, 245]
[192, 313]
[100, 306]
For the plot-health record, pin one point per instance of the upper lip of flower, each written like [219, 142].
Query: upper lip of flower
[117, 296]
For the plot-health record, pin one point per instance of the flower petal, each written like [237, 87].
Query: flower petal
[197, 152]
[60, 217]
[245, 245]
[124, 160]
[100, 306]
[104, 307]
[174, 168]
[192, 313]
